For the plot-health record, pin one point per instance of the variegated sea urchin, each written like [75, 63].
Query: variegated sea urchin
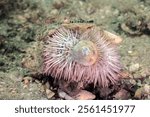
[88, 57]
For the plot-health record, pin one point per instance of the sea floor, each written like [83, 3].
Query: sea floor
[20, 19]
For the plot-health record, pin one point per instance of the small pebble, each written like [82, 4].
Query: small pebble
[84, 95]
[138, 93]
[58, 4]
[26, 80]
[122, 95]
[136, 75]
[134, 67]
[146, 81]
[132, 81]
[143, 91]
[130, 52]
[66, 21]
[145, 72]
[81, 3]
[13, 91]
[147, 89]
[54, 12]
[64, 95]
[49, 93]
[116, 12]
[139, 83]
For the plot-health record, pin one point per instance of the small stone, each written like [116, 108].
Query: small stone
[49, 93]
[146, 81]
[143, 92]
[130, 52]
[139, 83]
[13, 91]
[58, 4]
[54, 12]
[136, 75]
[116, 12]
[66, 20]
[26, 82]
[132, 81]
[122, 95]
[147, 89]
[138, 93]
[145, 72]
[27, 15]
[64, 95]
[81, 3]
[134, 67]
[84, 95]
[27, 79]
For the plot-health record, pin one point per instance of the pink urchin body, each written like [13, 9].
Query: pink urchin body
[63, 61]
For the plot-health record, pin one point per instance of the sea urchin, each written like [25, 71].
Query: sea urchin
[87, 57]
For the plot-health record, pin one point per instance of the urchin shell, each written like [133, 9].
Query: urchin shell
[60, 62]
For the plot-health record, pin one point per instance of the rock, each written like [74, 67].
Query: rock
[132, 81]
[26, 81]
[54, 12]
[145, 72]
[64, 95]
[134, 67]
[147, 89]
[138, 93]
[122, 95]
[84, 95]
[146, 81]
[116, 12]
[49, 93]
[139, 83]
[142, 92]
[136, 75]
[130, 52]
[58, 4]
